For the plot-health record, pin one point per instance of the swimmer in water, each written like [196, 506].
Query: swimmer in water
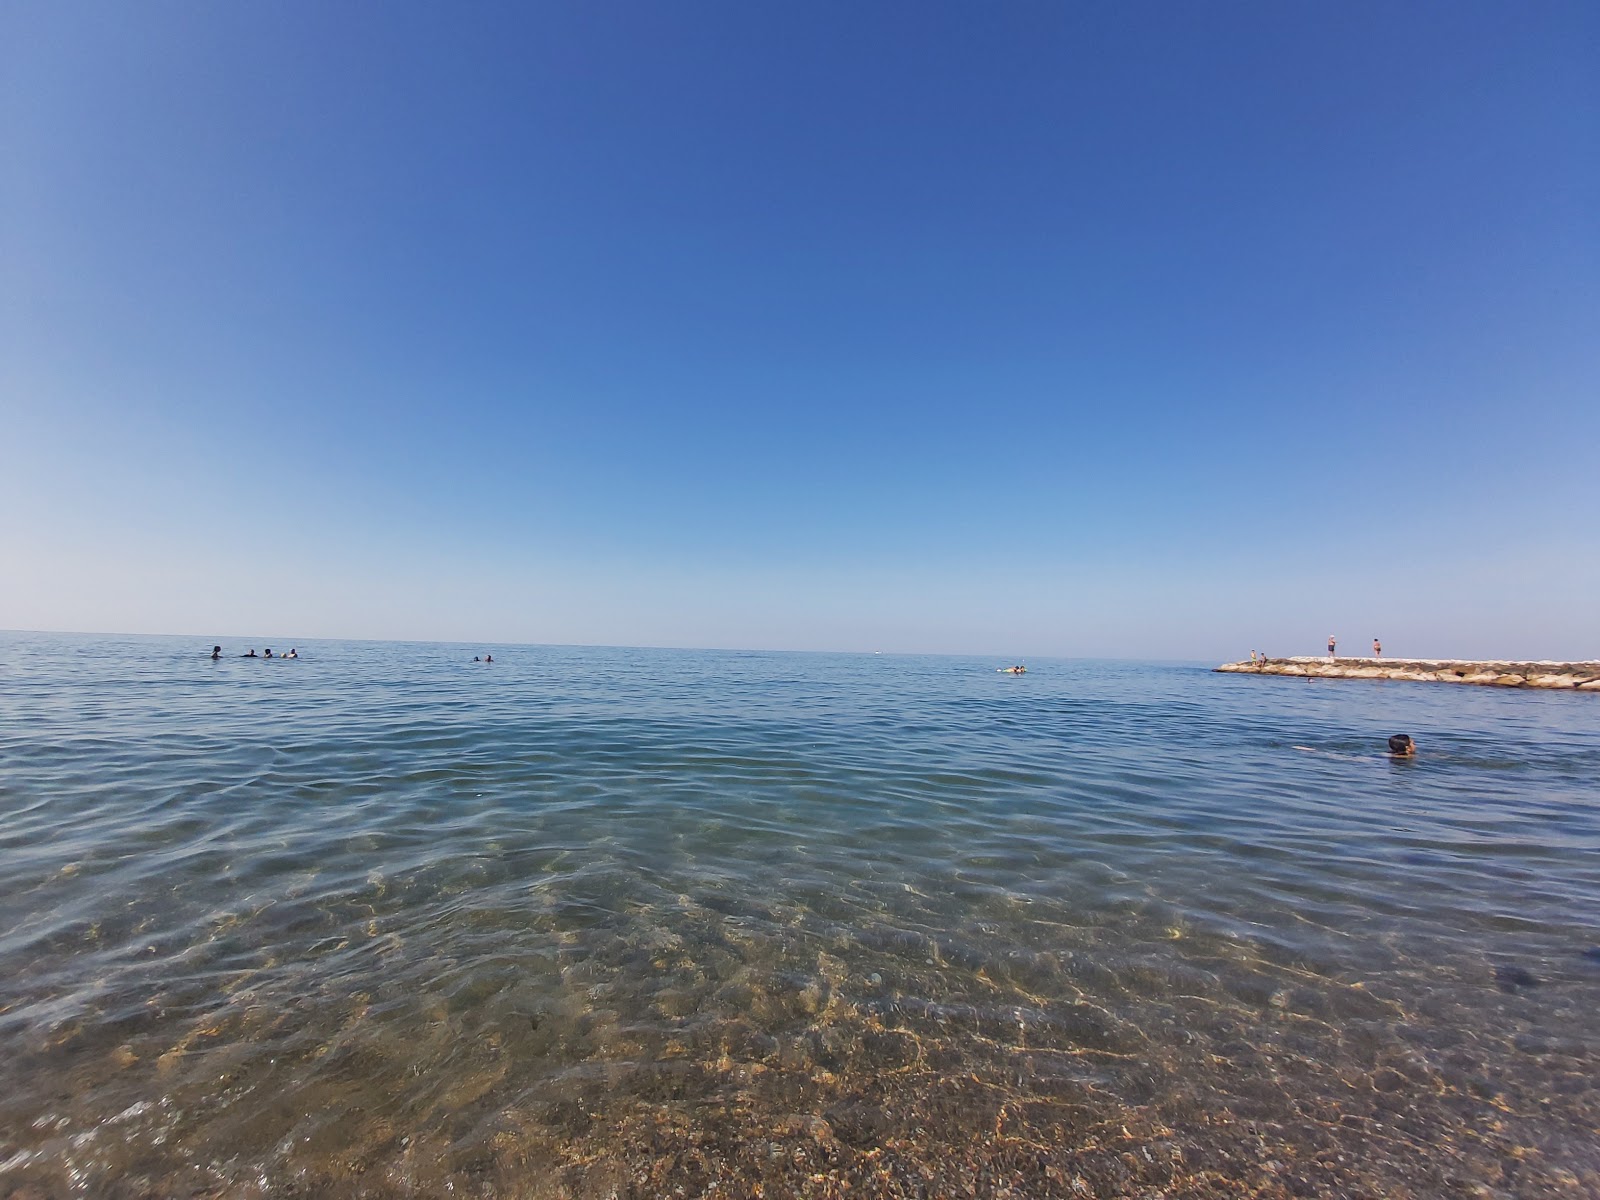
[293, 653]
[488, 658]
[267, 653]
[216, 653]
[1401, 746]
[252, 654]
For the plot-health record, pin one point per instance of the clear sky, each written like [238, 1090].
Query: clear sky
[1140, 330]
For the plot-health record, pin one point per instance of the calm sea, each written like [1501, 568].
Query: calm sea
[383, 921]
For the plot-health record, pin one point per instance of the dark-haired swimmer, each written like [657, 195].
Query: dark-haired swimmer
[475, 658]
[293, 653]
[267, 653]
[1401, 746]
[252, 654]
[488, 658]
[216, 653]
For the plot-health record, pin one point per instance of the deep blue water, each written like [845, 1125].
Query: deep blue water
[588, 921]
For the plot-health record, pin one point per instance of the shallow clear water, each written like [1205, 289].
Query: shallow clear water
[588, 922]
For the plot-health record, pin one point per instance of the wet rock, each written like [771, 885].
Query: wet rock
[1514, 978]
[861, 1126]
[1388, 1080]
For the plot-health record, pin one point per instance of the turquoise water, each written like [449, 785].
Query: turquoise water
[605, 922]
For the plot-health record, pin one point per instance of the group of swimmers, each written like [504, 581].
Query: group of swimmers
[1401, 745]
[216, 653]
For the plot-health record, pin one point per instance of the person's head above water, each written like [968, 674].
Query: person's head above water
[1402, 746]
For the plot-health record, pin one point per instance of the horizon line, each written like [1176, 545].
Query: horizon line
[617, 646]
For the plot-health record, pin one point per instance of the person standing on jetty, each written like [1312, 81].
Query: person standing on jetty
[1377, 648]
[1331, 644]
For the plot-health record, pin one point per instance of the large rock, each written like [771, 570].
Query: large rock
[1553, 681]
[1564, 676]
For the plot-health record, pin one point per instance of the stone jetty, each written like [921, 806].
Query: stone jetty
[1572, 676]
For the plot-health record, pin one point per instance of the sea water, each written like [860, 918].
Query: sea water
[383, 920]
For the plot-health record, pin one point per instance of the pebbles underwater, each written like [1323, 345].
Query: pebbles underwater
[638, 924]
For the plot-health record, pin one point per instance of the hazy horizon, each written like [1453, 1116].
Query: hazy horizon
[236, 644]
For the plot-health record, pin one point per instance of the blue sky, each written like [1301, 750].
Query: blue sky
[1144, 330]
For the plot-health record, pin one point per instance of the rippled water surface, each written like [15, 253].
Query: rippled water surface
[594, 922]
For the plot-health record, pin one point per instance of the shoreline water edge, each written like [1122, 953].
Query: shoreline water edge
[1569, 676]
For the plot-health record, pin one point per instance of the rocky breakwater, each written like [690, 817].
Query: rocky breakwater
[1572, 676]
